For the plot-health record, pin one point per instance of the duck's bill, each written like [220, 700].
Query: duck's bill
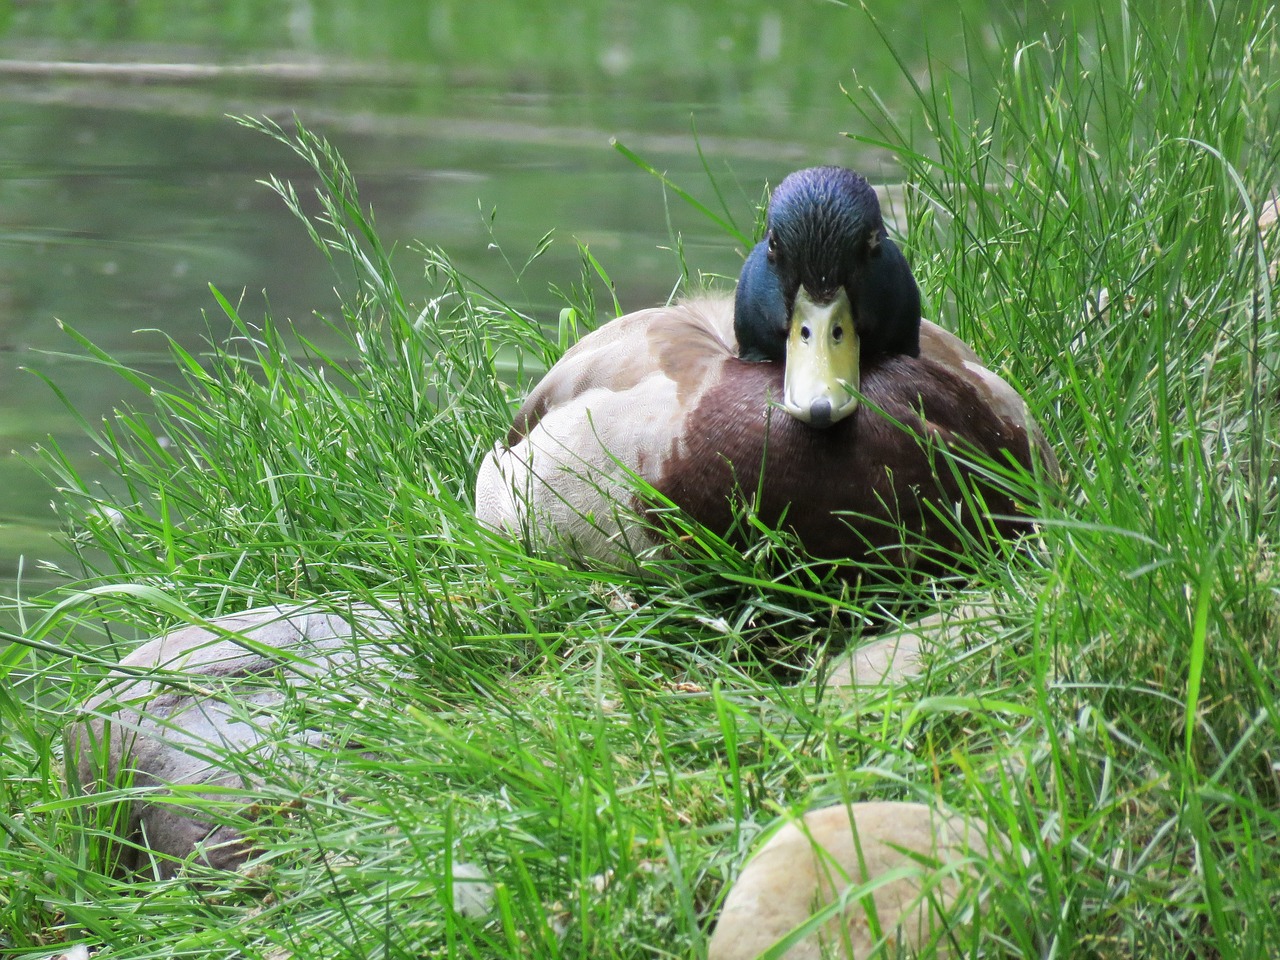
[820, 383]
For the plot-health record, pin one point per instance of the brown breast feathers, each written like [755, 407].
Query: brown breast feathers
[887, 466]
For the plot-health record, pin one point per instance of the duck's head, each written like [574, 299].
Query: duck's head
[825, 293]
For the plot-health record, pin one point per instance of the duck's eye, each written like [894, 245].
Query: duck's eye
[837, 333]
[805, 333]
[772, 252]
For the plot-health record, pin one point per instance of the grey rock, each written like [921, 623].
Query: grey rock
[77, 952]
[214, 707]
[472, 890]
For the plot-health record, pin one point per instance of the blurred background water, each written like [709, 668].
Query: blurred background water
[125, 190]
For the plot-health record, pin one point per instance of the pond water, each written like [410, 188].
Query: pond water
[125, 191]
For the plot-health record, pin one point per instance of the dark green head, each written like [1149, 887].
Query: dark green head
[826, 292]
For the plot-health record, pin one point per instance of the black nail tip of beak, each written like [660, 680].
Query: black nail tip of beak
[820, 413]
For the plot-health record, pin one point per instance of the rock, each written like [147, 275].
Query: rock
[1267, 220]
[77, 952]
[924, 857]
[201, 707]
[472, 891]
[1270, 213]
[895, 657]
[884, 661]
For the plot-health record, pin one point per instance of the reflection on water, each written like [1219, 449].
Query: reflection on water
[124, 191]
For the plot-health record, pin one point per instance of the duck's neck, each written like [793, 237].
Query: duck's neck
[760, 309]
[886, 300]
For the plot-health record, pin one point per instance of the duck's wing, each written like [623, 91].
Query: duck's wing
[949, 351]
[611, 357]
[610, 410]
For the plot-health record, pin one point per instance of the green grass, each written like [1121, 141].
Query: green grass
[609, 747]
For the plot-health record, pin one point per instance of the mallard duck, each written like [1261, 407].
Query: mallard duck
[817, 394]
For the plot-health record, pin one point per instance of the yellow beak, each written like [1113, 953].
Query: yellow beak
[820, 383]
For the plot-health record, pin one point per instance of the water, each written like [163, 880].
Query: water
[125, 192]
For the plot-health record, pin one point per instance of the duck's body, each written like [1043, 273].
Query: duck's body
[692, 399]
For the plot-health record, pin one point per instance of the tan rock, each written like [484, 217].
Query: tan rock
[919, 866]
[1267, 221]
[885, 661]
[894, 657]
[1270, 213]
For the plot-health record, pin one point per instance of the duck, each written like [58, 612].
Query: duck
[817, 396]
